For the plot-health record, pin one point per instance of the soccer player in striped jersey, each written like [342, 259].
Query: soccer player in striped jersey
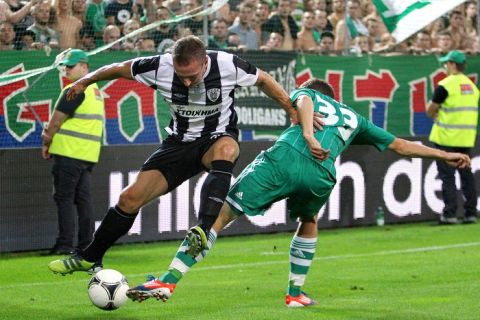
[199, 87]
[299, 167]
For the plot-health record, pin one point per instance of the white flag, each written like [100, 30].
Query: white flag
[405, 17]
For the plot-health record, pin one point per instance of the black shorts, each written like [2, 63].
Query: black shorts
[179, 161]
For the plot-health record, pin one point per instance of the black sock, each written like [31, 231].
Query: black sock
[214, 191]
[115, 224]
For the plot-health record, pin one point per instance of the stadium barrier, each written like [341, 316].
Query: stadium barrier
[407, 189]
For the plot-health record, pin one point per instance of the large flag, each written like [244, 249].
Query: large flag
[405, 17]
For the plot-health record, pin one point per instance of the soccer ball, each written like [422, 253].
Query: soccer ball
[107, 289]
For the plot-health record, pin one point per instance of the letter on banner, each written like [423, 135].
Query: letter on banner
[413, 204]
[355, 172]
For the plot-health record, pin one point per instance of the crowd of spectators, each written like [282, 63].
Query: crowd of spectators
[326, 27]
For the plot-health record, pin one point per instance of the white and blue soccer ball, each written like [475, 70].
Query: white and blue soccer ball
[107, 289]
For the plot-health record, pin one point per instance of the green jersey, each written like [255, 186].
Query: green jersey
[343, 126]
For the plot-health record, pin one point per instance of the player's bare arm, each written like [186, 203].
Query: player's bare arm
[411, 149]
[305, 114]
[273, 89]
[108, 72]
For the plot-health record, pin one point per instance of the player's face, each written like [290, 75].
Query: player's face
[192, 73]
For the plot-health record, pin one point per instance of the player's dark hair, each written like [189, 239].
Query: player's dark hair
[187, 49]
[320, 86]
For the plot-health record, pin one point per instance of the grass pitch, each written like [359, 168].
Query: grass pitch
[415, 271]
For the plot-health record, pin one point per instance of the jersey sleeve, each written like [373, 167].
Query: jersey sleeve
[439, 95]
[295, 94]
[247, 74]
[372, 135]
[144, 69]
[69, 106]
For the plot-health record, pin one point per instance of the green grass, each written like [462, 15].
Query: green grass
[416, 271]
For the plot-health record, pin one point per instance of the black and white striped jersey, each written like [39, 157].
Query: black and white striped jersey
[206, 108]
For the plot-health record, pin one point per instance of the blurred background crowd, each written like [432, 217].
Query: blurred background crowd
[326, 27]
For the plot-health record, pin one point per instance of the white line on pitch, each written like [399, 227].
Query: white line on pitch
[347, 256]
[264, 263]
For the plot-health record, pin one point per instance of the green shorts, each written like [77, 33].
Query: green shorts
[278, 173]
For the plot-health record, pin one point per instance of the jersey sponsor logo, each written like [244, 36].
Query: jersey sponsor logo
[466, 89]
[213, 94]
[196, 110]
[196, 113]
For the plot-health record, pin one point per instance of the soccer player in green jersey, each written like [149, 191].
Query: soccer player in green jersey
[299, 167]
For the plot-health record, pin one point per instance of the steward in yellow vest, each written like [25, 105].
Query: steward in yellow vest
[454, 109]
[74, 137]
[80, 134]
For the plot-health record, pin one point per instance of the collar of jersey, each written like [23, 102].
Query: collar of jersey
[209, 65]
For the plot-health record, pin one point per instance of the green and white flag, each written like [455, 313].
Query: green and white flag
[405, 17]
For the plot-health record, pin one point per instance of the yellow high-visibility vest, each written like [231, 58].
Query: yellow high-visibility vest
[456, 124]
[80, 136]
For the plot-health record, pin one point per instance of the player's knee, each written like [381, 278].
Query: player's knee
[129, 201]
[228, 152]
[309, 220]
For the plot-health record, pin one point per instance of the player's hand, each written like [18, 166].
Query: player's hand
[77, 88]
[458, 160]
[316, 149]
[318, 122]
[45, 154]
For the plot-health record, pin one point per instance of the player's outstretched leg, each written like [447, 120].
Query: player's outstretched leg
[153, 287]
[74, 263]
[115, 224]
[162, 288]
[301, 256]
[197, 241]
[212, 196]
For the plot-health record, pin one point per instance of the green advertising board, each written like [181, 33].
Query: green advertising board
[135, 113]
[392, 91]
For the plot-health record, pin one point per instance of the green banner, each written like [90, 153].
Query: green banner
[391, 91]
[135, 113]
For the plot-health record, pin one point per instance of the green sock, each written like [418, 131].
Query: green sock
[171, 276]
[301, 256]
[294, 290]
[183, 261]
